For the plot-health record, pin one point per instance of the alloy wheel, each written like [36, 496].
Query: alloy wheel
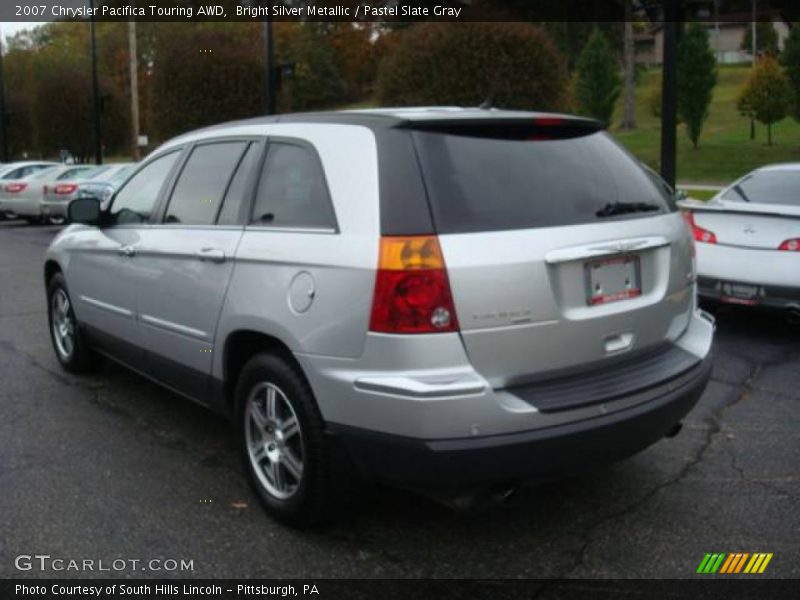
[274, 440]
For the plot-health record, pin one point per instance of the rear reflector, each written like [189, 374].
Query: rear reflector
[700, 235]
[65, 188]
[790, 245]
[412, 290]
[15, 188]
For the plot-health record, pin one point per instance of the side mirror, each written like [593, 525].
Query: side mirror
[84, 210]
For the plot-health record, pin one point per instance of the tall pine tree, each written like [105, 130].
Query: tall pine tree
[598, 84]
[697, 76]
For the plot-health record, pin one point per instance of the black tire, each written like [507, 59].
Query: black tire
[316, 495]
[81, 359]
[33, 220]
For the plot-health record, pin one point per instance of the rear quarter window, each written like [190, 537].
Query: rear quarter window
[491, 183]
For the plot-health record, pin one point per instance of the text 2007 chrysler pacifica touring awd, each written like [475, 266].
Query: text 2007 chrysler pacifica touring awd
[437, 298]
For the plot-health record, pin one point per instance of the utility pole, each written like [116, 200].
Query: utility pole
[134, 70]
[269, 67]
[3, 123]
[669, 93]
[98, 144]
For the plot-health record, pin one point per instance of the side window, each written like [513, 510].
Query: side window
[202, 183]
[292, 191]
[15, 174]
[134, 202]
[231, 205]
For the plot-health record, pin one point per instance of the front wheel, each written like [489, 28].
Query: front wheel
[282, 441]
[70, 346]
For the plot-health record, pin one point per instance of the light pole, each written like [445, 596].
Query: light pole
[3, 124]
[98, 145]
[669, 93]
[269, 66]
[754, 34]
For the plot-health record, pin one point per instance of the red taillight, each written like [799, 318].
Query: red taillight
[792, 245]
[15, 188]
[699, 234]
[65, 188]
[412, 291]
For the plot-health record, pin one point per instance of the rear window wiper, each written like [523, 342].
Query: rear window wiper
[738, 189]
[620, 208]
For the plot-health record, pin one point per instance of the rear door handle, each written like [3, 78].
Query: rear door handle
[211, 254]
[127, 251]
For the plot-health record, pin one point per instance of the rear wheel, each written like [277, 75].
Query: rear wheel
[69, 344]
[282, 441]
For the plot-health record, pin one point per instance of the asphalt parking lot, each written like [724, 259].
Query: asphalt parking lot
[111, 466]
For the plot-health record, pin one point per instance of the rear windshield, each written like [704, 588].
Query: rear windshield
[767, 187]
[491, 183]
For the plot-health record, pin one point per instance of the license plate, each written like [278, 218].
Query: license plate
[739, 293]
[612, 279]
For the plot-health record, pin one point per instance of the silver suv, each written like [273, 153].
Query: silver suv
[437, 298]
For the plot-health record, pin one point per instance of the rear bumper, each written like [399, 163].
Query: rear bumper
[770, 296]
[450, 464]
[20, 207]
[54, 209]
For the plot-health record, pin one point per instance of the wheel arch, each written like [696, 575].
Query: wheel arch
[241, 345]
[51, 267]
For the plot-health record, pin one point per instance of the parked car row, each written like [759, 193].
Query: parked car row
[41, 191]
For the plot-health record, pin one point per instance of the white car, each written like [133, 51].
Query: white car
[19, 170]
[99, 182]
[748, 240]
[23, 197]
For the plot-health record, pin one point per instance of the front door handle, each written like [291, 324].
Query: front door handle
[127, 251]
[211, 254]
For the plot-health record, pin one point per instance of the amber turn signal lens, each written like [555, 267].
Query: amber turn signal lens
[414, 252]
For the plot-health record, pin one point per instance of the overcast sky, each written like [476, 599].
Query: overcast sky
[10, 29]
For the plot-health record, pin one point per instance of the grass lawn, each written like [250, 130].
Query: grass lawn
[700, 194]
[726, 151]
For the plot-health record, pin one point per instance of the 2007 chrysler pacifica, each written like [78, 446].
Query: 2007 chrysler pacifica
[438, 298]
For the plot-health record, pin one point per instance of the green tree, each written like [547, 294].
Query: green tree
[791, 64]
[697, 76]
[316, 81]
[203, 74]
[766, 38]
[597, 86]
[510, 65]
[767, 94]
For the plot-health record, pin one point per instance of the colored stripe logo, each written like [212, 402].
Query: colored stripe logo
[734, 563]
